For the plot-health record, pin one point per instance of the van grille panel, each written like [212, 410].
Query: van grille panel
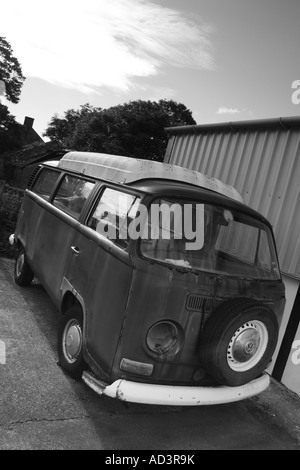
[198, 303]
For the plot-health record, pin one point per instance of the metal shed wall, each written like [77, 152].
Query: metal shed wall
[261, 159]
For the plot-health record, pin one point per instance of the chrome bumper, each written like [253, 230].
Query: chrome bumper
[152, 394]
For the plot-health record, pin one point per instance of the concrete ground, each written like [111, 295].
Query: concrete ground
[41, 408]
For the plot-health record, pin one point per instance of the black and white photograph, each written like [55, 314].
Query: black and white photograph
[149, 228]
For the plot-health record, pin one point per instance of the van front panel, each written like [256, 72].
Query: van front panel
[161, 294]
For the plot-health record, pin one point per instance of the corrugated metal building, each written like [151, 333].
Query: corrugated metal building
[261, 159]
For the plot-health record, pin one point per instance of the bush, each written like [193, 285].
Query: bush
[10, 203]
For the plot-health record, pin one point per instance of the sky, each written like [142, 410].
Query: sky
[225, 60]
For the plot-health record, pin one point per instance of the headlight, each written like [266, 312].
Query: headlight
[164, 337]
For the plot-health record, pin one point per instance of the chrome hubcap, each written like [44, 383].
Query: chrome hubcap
[72, 341]
[247, 346]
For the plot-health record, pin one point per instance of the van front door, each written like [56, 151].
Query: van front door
[100, 270]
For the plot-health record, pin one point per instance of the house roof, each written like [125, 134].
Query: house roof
[34, 153]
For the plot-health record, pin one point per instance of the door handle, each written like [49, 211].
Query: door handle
[75, 250]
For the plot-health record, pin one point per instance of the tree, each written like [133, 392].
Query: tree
[10, 72]
[11, 81]
[7, 129]
[134, 129]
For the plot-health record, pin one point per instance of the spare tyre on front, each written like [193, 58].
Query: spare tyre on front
[238, 341]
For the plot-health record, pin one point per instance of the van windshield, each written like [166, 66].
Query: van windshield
[209, 238]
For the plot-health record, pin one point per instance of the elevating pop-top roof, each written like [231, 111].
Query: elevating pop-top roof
[124, 170]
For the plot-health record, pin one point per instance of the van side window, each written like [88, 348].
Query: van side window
[72, 194]
[45, 183]
[113, 214]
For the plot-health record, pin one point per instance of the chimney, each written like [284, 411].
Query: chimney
[28, 122]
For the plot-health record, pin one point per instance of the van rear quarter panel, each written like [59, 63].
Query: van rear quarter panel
[46, 234]
[30, 215]
[53, 247]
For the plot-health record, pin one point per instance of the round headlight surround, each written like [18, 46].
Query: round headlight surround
[164, 338]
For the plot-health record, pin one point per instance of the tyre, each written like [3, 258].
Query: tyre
[238, 341]
[70, 342]
[23, 274]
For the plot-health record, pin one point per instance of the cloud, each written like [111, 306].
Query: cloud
[94, 43]
[224, 110]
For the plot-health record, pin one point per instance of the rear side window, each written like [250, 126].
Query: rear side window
[72, 195]
[45, 183]
[113, 215]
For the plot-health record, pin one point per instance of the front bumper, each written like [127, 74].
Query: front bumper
[152, 394]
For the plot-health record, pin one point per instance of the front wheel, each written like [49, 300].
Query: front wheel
[238, 341]
[23, 274]
[70, 342]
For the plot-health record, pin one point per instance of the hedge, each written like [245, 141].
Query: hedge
[10, 203]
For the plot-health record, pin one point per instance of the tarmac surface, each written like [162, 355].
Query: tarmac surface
[41, 408]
